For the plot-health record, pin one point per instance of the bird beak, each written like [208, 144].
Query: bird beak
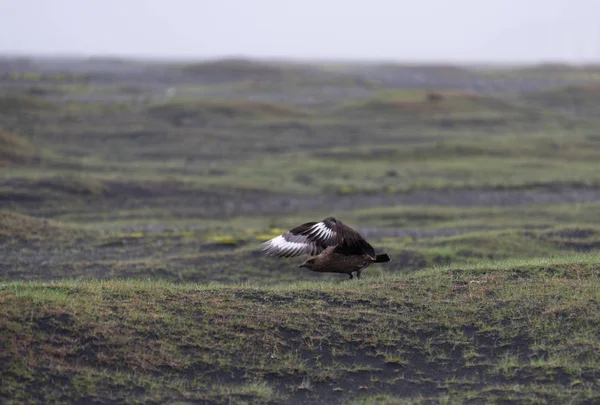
[301, 265]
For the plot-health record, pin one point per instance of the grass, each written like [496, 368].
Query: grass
[287, 150]
[21, 103]
[179, 112]
[233, 66]
[431, 162]
[479, 217]
[556, 71]
[36, 249]
[15, 150]
[133, 212]
[255, 77]
[580, 98]
[458, 333]
[26, 228]
[449, 104]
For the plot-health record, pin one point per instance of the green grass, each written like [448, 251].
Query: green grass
[318, 175]
[464, 161]
[479, 217]
[399, 142]
[179, 111]
[556, 71]
[415, 102]
[583, 99]
[253, 76]
[282, 149]
[475, 332]
[36, 249]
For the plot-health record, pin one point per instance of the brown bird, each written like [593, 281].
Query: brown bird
[337, 247]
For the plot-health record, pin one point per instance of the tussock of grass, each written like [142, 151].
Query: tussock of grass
[15, 150]
[24, 227]
[442, 333]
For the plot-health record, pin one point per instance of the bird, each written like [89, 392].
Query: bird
[335, 247]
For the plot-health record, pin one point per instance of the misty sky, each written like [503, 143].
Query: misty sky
[404, 30]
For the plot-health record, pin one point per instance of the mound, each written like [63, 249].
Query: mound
[264, 75]
[549, 67]
[15, 150]
[75, 185]
[443, 107]
[13, 225]
[198, 112]
[575, 97]
[20, 104]
[440, 70]
[556, 70]
[227, 70]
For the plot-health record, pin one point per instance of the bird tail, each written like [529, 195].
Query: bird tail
[382, 258]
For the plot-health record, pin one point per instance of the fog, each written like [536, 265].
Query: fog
[428, 30]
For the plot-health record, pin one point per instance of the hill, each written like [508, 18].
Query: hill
[235, 69]
[517, 331]
[27, 228]
[444, 108]
[579, 99]
[200, 112]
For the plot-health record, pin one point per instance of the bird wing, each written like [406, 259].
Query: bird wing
[350, 242]
[314, 237]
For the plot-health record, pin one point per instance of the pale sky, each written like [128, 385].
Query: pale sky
[402, 30]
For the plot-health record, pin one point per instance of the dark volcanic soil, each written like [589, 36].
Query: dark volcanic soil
[177, 200]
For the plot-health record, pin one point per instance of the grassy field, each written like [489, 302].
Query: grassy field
[133, 204]
[508, 331]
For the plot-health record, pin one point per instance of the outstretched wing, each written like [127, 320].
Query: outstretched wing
[309, 238]
[313, 237]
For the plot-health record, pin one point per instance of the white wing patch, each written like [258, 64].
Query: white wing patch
[310, 241]
[279, 246]
[320, 231]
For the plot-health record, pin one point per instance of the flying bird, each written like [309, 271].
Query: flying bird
[336, 247]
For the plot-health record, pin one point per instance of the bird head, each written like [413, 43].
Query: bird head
[308, 263]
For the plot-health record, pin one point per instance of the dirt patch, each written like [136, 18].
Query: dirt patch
[574, 233]
[59, 324]
[578, 239]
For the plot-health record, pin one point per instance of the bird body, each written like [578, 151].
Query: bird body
[336, 247]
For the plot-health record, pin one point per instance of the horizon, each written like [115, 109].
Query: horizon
[283, 59]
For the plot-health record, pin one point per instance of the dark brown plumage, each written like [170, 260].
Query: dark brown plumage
[336, 247]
